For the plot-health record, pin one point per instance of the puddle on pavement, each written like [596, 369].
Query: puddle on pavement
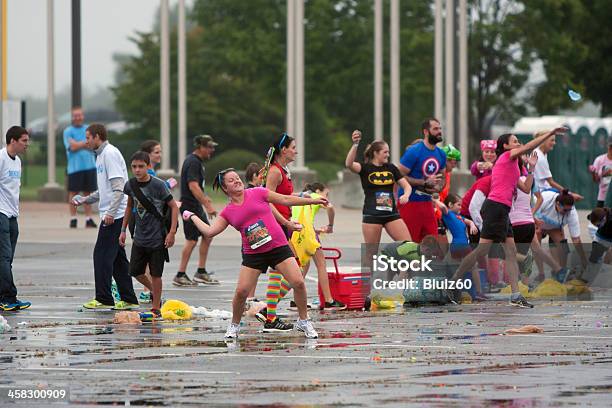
[586, 390]
[500, 367]
[349, 335]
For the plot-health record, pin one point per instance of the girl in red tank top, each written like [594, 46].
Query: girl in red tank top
[285, 187]
[278, 180]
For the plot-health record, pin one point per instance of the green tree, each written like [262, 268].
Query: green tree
[499, 65]
[572, 39]
[236, 73]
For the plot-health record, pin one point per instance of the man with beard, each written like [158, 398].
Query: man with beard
[423, 164]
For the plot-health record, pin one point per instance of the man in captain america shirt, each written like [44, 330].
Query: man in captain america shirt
[423, 164]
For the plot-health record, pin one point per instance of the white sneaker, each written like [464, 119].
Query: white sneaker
[232, 345]
[232, 331]
[306, 327]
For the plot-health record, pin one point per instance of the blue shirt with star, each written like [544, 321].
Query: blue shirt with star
[422, 163]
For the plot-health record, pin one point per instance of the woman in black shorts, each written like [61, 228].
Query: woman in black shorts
[378, 177]
[496, 227]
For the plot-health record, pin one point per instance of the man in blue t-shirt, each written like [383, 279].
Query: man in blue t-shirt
[81, 168]
[423, 164]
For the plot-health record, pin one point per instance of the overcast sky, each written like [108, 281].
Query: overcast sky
[105, 28]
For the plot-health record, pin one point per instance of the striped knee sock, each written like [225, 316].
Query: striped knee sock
[273, 295]
[284, 288]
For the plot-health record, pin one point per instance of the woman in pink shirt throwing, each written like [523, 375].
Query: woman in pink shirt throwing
[496, 227]
[524, 227]
[264, 243]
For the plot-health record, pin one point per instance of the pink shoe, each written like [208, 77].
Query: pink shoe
[187, 215]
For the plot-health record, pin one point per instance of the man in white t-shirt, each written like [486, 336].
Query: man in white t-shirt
[110, 260]
[556, 211]
[542, 176]
[17, 141]
[601, 170]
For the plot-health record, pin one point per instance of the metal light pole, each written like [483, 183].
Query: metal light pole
[3, 42]
[165, 88]
[51, 183]
[378, 70]
[395, 82]
[463, 80]
[290, 114]
[438, 61]
[299, 83]
[449, 124]
[76, 53]
[182, 85]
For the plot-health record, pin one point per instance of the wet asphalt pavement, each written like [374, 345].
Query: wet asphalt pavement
[434, 356]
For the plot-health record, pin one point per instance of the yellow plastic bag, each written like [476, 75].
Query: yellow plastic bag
[524, 289]
[305, 241]
[381, 301]
[550, 288]
[176, 310]
[577, 287]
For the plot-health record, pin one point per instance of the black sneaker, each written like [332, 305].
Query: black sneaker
[262, 315]
[205, 278]
[183, 280]
[334, 305]
[454, 296]
[90, 224]
[521, 302]
[293, 306]
[277, 326]
[73, 223]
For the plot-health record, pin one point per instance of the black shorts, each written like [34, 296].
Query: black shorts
[495, 221]
[286, 232]
[141, 257]
[263, 260]
[441, 228]
[380, 219]
[192, 233]
[473, 238]
[523, 235]
[85, 180]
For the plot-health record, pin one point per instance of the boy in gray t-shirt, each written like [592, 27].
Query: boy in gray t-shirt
[151, 240]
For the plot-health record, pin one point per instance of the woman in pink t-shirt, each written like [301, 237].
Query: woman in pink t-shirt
[484, 165]
[524, 229]
[496, 227]
[264, 243]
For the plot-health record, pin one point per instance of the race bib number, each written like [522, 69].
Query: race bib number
[384, 201]
[257, 235]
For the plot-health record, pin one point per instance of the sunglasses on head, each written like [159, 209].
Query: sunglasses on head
[280, 144]
[222, 173]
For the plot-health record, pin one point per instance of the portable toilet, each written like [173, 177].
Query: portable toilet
[582, 182]
[573, 152]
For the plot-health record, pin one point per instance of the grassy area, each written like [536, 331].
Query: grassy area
[326, 171]
[34, 176]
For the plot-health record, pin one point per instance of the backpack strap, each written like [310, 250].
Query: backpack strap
[148, 205]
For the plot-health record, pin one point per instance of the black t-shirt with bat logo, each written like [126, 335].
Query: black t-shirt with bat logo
[377, 183]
